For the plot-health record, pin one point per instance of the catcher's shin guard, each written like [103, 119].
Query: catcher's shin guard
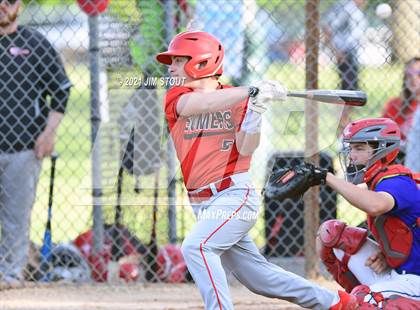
[361, 291]
[336, 234]
[378, 301]
[397, 302]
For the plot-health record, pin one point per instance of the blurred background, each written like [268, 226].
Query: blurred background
[357, 46]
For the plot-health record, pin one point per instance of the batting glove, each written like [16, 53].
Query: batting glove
[257, 105]
[252, 122]
[271, 90]
[262, 92]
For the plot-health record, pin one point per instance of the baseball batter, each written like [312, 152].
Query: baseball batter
[215, 129]
[383, 274]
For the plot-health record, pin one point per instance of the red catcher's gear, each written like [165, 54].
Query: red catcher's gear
[336, 234]
[171, 265]
[346, 302]
[392, 171]
[382, 131]
[379, 302]
[395, 238]
[99, 261]
[202, 47]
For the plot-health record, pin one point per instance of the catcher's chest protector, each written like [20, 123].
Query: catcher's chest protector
[392, 171]
[395, 238]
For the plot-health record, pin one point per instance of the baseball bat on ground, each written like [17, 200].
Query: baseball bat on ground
[151, 256]
[344, 97]
[46, 249]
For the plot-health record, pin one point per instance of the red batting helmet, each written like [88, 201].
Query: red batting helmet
[202, 47]
[129, 272]
[384, 133]
[171, 264]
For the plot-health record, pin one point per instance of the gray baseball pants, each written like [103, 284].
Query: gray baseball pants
[220, 240]
[19, 173]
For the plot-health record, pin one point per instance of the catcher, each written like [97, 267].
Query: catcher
[384, 273]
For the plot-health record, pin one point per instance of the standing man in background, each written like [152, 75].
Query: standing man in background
[344, 27]
[413, 136]
[413, 144]
[30, 70]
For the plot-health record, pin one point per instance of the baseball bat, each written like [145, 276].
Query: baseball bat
[345, 97]
[116, 248]
[151, 257]
[46, 249]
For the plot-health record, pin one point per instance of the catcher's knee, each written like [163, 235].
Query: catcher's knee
[336, 234]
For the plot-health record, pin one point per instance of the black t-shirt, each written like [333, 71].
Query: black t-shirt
[30, 71]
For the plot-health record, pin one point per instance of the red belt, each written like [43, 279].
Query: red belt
[206, 193]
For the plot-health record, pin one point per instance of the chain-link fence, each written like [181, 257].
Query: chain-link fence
[119, 207]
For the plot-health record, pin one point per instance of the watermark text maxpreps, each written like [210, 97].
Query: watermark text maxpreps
[220, 214]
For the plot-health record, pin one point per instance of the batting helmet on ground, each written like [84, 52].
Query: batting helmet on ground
[202, 47]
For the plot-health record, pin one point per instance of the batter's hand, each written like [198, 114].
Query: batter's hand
[267, 91]
[271, 90]
[377, 262]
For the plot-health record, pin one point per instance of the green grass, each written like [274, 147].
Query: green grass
[72, 213]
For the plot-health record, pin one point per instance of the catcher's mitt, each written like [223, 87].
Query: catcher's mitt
[294, 182]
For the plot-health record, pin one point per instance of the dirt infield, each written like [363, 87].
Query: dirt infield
[133, 297]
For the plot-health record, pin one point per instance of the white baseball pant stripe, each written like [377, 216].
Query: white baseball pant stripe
[212, 234]
[219, 240]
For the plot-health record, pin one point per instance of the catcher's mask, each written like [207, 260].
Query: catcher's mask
[382, 135]
[202, 47]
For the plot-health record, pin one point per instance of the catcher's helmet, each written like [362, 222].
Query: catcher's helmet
[383, 133]
[202, 47]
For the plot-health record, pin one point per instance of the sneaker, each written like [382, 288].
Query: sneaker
[346, 302]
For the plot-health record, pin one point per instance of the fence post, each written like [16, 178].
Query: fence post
[98, 232]
[172, 233]
[311, 201]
